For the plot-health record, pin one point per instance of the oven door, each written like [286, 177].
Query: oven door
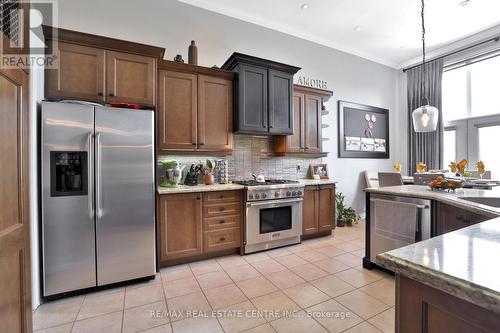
[271, 221]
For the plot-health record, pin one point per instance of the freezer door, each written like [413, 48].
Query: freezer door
[68, 229]
[125, 206]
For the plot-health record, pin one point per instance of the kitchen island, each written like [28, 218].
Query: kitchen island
[450, 282]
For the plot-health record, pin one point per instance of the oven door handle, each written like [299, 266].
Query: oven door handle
[273, 203]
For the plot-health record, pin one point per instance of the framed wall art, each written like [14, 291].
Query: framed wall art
[318, 171]
[363, 131]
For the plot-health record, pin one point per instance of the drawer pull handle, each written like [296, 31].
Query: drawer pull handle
[222, 209]
[222, 239]
[221, 196]
[222, 221]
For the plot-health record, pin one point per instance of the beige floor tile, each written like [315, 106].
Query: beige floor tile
[275, 305]
[268, 266]
[213, 279]
[278, 252]
[361, 303]
[159, 329]
[107, 291]
[330, 251]
[145, 317]
[384, 321]
[266, 328]
[205, 266]
[181, 287]
[316, 244]
[290, 260]
[234, 260]
[143, 295]
[256, 287]
[359, 241]
[66, 328]
[358, 278]
[242, 272]
[56, 313]
[175, 273]
[331, 265]
[182, 305]
[197, 325]
[224, 296]
[249, 318]
[98, 305]
[340, 319]
[311, 255]
[349, 246]
[305, 295]
[359, 253]
[147, 283]
[108, 323]
[383, 290]
[254, 257]
[332, 286]
[285, 279]
[349, 259]
[309, 272]
[297, 248]
[298, 324]
[364, 327]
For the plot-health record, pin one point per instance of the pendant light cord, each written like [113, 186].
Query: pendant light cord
[424, 98]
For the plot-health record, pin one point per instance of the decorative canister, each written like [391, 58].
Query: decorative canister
[193, 54]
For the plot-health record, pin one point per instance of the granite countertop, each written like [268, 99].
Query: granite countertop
[451, 198]
[199, 188]
[462, 263]
[307, 182]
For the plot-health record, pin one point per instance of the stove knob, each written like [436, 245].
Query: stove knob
[264, 195]
[294, 193]
[257, 196]
[277, 194]
[299, 192]
[250, 196]
[288, 193]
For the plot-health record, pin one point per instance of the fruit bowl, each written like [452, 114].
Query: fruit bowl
[445, 184]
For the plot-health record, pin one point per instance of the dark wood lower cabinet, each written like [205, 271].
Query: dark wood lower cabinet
[420, 308]
[449, 218]
[318, 210]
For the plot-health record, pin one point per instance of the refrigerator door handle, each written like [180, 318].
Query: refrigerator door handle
[90, 180]
[98, 176]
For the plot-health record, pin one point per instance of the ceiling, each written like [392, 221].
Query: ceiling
[389, 30]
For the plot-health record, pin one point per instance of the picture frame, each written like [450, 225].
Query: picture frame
[363, 131]
[320, 170]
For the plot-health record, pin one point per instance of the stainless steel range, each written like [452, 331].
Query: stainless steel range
[273, 214]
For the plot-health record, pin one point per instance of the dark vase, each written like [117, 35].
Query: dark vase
[341, 223]
[193, 54]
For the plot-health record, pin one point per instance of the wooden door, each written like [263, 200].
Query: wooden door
[215, 114]
[296, 141]
[180, 225]
[310, 210]
[252, 114]
[326, 219]
[80, 74]
[130, 78]
[280, 102]
[177, 111]
[313, 124]
[15, 271]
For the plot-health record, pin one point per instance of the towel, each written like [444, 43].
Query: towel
[395, 220]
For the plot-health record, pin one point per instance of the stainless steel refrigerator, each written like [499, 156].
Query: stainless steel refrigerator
[98, 206]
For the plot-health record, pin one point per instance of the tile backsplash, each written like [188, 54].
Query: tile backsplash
[253, 154]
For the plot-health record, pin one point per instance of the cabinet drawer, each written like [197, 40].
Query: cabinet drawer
[221, 239]
[220, 197]
[223, 209]
[222, 222]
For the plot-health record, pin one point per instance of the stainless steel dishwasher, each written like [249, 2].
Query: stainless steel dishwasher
[396, 222]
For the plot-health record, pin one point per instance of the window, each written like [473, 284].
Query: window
[471, 113]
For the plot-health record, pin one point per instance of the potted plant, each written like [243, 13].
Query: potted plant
[207, 170]
[345, 215]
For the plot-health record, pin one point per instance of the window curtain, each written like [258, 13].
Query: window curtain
[425, 147]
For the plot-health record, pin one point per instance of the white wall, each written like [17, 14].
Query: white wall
[170, 24]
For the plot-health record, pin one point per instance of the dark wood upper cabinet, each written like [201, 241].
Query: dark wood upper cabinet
[101, 69]
[130, 78]
[177, 111]
[307, 125]
[194, 109]
[80, 74]
[263, 91]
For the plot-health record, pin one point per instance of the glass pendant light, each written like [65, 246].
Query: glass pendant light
[425, 118]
